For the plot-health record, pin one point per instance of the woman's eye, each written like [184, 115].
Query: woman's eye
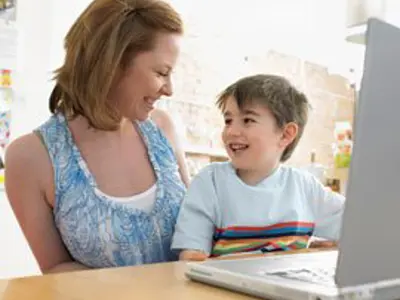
[163, 74]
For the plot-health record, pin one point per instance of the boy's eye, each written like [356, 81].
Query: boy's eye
[228, 121]
[248, 120]
[163, 74]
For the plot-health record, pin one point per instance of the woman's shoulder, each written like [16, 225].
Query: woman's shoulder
[26, 148]
[27, 156]
[159, 130]
[152, 126]
[30, 153]
[159, 124]
[53, 126]
[31, 148]
[161, 118]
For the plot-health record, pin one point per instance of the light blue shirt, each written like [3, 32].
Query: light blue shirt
[218, 199]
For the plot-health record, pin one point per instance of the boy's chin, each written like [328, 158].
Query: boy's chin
[240, 165]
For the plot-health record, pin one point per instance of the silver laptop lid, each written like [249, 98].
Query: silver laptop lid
[370, 243]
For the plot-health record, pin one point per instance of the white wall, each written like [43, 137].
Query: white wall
[42, 27]
[311, 29]
[41, 32]
[32, 87]
[64, 15]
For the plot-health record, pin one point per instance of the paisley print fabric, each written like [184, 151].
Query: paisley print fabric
[97, 231]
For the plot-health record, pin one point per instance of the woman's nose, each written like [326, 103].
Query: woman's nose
[167, 88]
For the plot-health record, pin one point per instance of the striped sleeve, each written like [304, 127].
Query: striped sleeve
[282, 236]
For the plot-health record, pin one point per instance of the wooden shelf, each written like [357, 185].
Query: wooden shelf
[342, 174]
[339, 173]
[207, 151]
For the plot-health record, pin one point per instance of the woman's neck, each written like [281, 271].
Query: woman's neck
[80, 126]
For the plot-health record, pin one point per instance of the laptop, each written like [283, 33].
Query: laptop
[367, 262]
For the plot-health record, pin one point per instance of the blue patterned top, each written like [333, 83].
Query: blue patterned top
[97, 231]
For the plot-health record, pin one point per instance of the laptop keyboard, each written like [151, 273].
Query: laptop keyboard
[317, 275]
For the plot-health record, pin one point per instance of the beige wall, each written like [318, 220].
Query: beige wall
[218, 49]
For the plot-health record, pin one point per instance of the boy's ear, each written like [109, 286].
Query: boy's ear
[289, 133]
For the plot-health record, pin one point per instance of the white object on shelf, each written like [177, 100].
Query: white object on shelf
[317, 169]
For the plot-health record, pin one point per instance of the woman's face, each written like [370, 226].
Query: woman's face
[147, 78]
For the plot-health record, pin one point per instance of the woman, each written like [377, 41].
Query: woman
[101, 182]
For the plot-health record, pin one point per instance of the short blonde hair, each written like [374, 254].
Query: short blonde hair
[286, 103]
[101, 43]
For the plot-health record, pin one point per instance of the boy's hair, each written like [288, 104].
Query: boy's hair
[285, 102]
[99, 47]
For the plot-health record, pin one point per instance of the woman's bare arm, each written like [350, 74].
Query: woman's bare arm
[30, 191]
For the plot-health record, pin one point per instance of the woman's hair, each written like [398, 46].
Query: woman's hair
[99, 47]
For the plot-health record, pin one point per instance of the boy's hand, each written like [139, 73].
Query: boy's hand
[192, 255]
[323, 244]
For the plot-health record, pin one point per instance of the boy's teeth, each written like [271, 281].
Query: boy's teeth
[238, 147]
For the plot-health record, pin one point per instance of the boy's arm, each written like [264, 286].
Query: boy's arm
[328, 209]
[193, 255]
[196, 220]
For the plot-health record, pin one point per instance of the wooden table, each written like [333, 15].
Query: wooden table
[157, 281]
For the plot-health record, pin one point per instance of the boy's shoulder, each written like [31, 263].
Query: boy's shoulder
[215, 169]
[223, 172]
[211, 176]
[298, 175]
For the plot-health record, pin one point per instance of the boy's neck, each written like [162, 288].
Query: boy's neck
[255, 176]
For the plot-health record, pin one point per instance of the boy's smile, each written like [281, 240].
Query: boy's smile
[251, 138]
[238, 148]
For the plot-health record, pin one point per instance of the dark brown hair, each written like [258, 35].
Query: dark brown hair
[285, 102]
[100, 44]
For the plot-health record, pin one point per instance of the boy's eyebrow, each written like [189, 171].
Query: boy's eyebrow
[251, 112]
[244, 112]
[227, 114]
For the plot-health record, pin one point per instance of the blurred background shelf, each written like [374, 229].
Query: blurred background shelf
[206, 151]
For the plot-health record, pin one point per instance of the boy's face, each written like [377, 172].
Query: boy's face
[251, 137]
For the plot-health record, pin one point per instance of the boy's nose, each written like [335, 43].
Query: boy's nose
[233, 130]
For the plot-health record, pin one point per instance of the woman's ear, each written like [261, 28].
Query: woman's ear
[289, 133]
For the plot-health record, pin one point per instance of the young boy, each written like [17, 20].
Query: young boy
[254, 202]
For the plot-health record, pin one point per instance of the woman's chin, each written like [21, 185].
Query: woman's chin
[141, 116]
